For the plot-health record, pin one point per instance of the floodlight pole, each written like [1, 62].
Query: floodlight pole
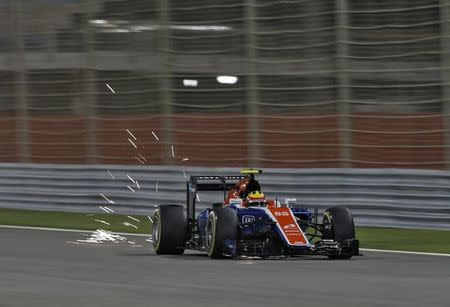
[445, 76]
[21, 89]
[254, 143]
[165, 81]
[343, 83]
[89, 84]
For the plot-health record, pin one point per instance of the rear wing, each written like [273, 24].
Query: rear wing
[207, 183]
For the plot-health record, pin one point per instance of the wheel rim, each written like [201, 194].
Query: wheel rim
[155, 230]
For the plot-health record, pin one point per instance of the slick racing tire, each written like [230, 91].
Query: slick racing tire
[341, 227]
[169, 230]
[222, 226]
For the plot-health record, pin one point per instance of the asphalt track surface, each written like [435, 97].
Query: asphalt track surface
[40, 268]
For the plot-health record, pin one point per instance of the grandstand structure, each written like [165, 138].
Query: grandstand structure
[270, 83]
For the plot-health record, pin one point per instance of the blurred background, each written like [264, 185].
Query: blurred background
[285, 83]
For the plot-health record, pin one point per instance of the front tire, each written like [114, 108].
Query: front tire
[169, 230]
[338, 226]
[222, 226]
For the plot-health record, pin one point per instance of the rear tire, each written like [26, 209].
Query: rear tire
[341, 227]
[222, 225]
[169, 230]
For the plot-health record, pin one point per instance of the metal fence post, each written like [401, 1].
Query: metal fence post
[21, 89]
[445, 77]
[165, 81]
[254, 144]
[343, 83]
[89, 84]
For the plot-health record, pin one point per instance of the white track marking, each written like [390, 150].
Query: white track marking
[185, 159]
[137, 184]
[402, 252]
[184, 173]
[131, 135]
[132, 143]
[133, 218]
[131, 189]
[102, 221]
[151, 221]
[70, 230]
[173, 152]
[110, 88]
[111, 174]
[107, 199]
[156, 137]
[157, 183]
[198, 197]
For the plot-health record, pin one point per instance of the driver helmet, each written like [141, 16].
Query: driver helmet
[255, 198]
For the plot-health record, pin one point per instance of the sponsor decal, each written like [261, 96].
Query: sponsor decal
[247, 219]
[282, 213]
[287, 224]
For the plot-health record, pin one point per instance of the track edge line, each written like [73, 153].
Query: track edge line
[403, 252]
[70, 230]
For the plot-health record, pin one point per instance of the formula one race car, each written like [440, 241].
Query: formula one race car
[246, 224]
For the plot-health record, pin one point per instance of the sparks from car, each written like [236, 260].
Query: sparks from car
[100, 236]
[137, 158]
[128, 176]
[110, 88]
[111, 174]
[108, 209]
[142, 157]
[156, 137]
[133, 218]
[104, 209]
[129, 224]
[107, 199]
[132, 143]
[102, 221]
[132, 135]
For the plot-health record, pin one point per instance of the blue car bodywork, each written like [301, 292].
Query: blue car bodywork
[257, 226]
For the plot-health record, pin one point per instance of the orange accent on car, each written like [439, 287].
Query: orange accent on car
[288, 226]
